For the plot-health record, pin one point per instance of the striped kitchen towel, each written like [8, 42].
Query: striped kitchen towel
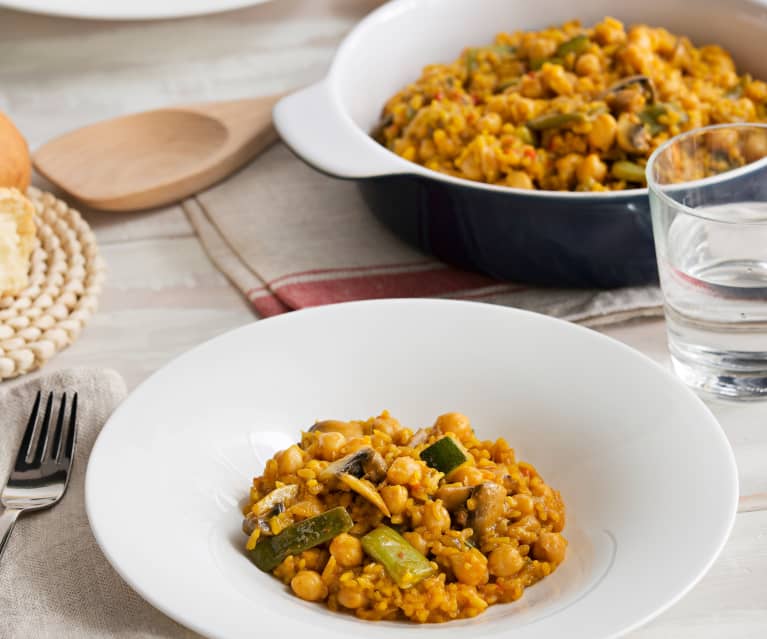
[289, 238]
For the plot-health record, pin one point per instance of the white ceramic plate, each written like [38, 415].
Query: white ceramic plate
[646, 472]
[127, 9]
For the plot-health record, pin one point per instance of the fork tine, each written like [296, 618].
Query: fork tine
[44, 431]
[54, 450]
[69, 447]
[26, 443]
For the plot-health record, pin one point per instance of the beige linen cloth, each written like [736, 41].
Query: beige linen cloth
[54, 581]
[289, 237]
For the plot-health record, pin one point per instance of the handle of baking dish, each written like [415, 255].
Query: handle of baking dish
[313, 124]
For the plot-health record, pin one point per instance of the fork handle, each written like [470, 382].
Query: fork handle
[7, 520]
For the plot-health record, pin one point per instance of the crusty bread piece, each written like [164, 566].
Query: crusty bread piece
[15, 164]
[17, 240]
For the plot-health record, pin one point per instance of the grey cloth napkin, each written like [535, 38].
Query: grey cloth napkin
[289, 237]
[54, 581]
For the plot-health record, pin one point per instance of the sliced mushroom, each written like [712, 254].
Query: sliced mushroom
[454, 496]
[510, 484]
[375, 467]
[632, 136]
[347, 429]
[625, 101]
[365, 489]
[643, 81]
[364, 462]
[267, 507]
[419, 437]
[490, 498]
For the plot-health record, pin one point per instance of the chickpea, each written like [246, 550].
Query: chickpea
[566, 167]
[395, 498]
[404, 470]
[351, 597]
[470, 567]
[505, 561]
[603, 131]
[444, 144]
[355, 444]
[755, 146]
[519, 180]
[467, 475]
[637, 58]
[308, 585]
[347, 550]
[588, 64]
[641, 36]
[455, 423]
[756, 90]
[314, 558]
[416, 541]
[591, 168]
[330, 445]
[469, 164]
[426, 150]
[490, 123]
[387, 424]
[526, 529]
[290, 460]
[550, 547]
[531, 86]
[435, 517]
[524, 503]
[557, 79]
[724, 140]
[541, 48]
[609, 31]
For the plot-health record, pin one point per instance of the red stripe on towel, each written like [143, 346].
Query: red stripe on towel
[355, 269]
[268, 304]
[418, 284]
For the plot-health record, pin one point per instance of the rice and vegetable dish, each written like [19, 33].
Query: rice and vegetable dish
[566, 108]
[372, 518]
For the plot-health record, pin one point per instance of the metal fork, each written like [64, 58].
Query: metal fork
[41, 473]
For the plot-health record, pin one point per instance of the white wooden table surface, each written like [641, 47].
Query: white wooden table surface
[164, 296]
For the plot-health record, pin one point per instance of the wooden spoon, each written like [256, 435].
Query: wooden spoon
[158, 157]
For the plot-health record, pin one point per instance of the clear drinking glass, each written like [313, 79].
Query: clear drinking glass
[708, 196]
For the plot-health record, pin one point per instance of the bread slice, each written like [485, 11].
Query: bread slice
[17, 240]
[15, 163]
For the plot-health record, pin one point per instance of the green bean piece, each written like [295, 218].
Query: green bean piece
[628, 171]
[471, 62]
[554, 121]
[271, 551]
[404, 564]
[503, 49]
[507, 85]
[576, 45]
[526, 135]
[649, 117]
[444, 455]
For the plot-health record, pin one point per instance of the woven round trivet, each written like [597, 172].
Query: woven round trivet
[65, 277]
